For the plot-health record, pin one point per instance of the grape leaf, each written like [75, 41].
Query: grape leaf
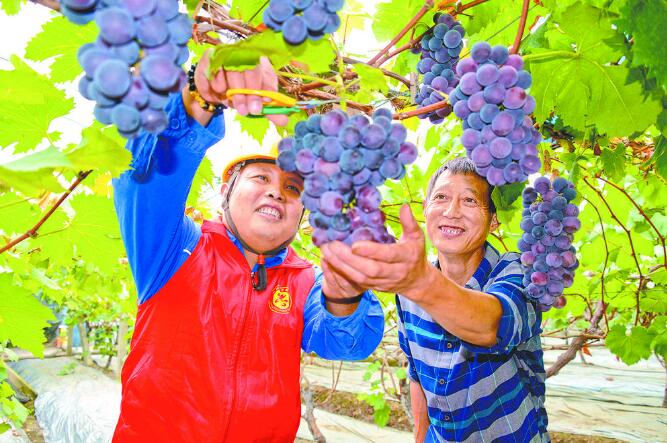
[11, 7]
[16, 213]
[629, 348]
[254, 127]
[50, 158]
[61, 39]
[613, 161]
[28, 104]
[603, 96]
[646, 21]
[393, 15]
[100, 149]
[660, 156]
[246, 9]
[22, 317]
[203, 180]
[505, 198]
[92, 234]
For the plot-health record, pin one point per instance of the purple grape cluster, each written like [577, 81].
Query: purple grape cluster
[491, 100]
[440, 49]
[135, 62]
[549, 223]
[302, 19]
[343, 160]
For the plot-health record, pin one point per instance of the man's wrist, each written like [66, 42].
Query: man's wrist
[194, 110]
[422, 289]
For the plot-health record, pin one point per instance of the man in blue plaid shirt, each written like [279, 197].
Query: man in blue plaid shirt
[470, 334]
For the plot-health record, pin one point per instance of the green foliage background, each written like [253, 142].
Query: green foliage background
[600, 81]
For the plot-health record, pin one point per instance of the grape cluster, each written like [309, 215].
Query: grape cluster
[301, 19]
[549, 223]
[491, 100]
[440, 49]
[343, 161]
[135, 62]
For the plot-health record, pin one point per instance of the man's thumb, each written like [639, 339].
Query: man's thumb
[410, 226]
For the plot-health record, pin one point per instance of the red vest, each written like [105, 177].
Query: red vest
[212, 359]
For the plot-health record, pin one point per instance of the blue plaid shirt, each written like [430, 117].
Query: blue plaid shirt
[476, 393]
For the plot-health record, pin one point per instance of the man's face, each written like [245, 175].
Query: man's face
[265, 205]
[457, 215]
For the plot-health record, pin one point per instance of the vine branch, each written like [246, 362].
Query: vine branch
[428, 4]
[33, 231]
[632, 246]
[606, 259]
[522, 27]
[578, 342]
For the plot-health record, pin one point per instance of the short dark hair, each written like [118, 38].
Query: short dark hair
[462, 166]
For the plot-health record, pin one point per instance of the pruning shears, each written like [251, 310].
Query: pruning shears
[280, 103]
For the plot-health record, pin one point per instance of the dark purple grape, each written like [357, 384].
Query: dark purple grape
[295, 30]
[116, 25]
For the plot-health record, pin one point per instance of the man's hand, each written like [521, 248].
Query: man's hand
[401, 267]
[214, 90]
[335, 285]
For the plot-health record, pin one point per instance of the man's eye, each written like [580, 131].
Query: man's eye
[294, 188]
[439, 197]
[261, 177]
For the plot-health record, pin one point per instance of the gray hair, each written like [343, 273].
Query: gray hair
[462, 166]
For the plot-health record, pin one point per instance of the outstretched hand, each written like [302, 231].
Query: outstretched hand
[214, 90]
[400, 267]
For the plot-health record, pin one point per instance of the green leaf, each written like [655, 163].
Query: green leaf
[505, 198]
[629, 348]
[202, 181]
[16, 213]
[11, 7]
[393, 15]
[582, 85]
[28, 104]
[47, 158]
[371, 78]
[101, 149]
[255, 127]
[646, 21]
[613, 161]
[22, 317]
[245, 54]
[61, 39]
[317, 55]
[91, 234]
[246, 9]
[660, 156]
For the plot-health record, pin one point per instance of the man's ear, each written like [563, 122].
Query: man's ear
[224, 189]
[494, 223]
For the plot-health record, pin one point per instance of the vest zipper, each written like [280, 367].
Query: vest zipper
[237, 352]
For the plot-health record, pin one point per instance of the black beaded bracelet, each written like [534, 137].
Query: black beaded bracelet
[206, 106]
[344, 301]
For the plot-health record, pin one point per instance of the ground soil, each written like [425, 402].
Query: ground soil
[345, 403]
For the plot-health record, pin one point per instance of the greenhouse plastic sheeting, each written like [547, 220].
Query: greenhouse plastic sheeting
[74, 404]
[605, 399]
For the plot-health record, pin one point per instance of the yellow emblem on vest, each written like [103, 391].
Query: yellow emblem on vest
[280, 302]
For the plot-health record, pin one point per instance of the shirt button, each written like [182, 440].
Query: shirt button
[441, 381]
[175, 124]
[446, 417]
[449, 345]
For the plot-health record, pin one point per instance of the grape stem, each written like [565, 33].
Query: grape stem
[522, 26]
[428, 4]
[420, 111]
[578, 342]
[32, 232]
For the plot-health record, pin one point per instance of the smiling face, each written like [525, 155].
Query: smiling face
[265, 205]
[458, 219]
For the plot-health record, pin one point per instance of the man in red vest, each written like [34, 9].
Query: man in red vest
[225, 308]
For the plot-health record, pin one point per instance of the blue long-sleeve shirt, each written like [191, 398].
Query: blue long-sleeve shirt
[159, 237]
